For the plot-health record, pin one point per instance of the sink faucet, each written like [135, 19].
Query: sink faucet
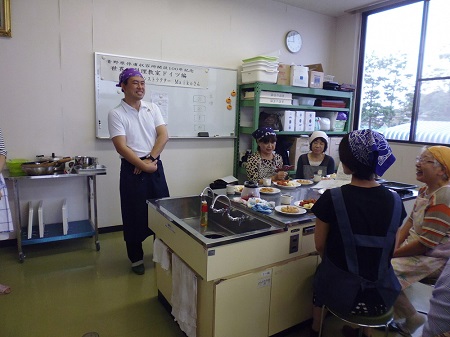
[227, 210]
[208, 190]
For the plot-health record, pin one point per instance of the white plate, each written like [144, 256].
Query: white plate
[273, 190]
[238, 189]
[300, 211]
[297, 203]
[288, 187]
[305, 181]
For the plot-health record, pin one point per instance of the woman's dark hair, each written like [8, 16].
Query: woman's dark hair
[323, 140]
[359, 170]
[268, 139]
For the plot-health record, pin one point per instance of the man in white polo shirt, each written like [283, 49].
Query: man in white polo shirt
[139, 134]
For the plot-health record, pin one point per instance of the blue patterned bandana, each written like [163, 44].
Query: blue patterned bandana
[126, 74]
[371, 149]
[263, 132]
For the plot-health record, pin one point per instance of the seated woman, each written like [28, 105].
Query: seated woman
[265, 163]
[311, 163]
[423, 242]
[354, 238]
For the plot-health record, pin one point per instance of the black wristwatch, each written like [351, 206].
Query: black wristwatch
[150, 157]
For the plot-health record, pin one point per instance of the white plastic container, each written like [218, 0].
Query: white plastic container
[259, 67]
[306, 101]
[259, 76]
[263, 64]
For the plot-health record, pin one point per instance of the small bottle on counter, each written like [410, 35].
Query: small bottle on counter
[204, 214]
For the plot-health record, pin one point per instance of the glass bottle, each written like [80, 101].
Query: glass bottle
[204, 214]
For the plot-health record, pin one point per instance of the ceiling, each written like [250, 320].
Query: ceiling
[333, 8]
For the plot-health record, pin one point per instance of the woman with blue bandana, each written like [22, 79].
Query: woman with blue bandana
[265, 163]
[356, 226]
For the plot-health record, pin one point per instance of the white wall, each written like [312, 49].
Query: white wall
[47, 72]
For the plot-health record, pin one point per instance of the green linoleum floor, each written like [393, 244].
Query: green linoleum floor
[67, 288]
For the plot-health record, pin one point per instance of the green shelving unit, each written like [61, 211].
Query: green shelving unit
[253, 107]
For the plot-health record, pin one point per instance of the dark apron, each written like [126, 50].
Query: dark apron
[309, 171]
[135, 190]
[349, 283]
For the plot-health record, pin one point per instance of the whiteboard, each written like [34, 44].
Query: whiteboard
[192, 99]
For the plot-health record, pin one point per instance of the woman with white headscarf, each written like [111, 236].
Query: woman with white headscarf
[315, 161]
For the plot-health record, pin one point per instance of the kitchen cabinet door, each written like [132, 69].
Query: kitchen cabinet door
[291, 298]
[242, 305]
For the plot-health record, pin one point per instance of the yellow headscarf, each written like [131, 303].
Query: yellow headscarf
[442, 155]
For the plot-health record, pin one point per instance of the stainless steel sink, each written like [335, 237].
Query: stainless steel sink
[185, 211]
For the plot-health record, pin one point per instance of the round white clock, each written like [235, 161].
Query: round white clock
[293, 41]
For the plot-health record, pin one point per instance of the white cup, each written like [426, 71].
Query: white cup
[267, 182]
[317, 178]
[286, 199]
[230, 189]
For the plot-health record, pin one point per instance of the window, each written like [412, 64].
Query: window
[404, 72]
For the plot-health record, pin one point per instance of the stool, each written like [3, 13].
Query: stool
[362, 321]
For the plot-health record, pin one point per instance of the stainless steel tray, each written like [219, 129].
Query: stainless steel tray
[97, 170]
[396, 186]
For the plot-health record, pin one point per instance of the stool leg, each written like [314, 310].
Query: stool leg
[322, 314]
[386, 330]
[360, 331]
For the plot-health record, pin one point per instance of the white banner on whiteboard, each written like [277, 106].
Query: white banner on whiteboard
[155, 72]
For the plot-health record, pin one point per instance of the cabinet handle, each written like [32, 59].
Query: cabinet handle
[309, 230]
[169, 227]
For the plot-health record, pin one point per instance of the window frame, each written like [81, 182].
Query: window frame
[418, 80]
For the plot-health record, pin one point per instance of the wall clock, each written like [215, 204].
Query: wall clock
[293, 41]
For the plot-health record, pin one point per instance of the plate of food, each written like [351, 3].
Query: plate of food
[287, 184]
[238, 189]
[269, 190]
[305, 181]
[306, 203]
[290, 210]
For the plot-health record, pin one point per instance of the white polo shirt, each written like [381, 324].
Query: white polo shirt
[139, 127]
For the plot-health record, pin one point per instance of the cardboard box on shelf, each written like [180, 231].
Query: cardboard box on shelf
[310, 120]
[316, 79]
[299, 146]
[315, 67]
[284, 74]
[299, 76]
[300, 121]
[288, 120]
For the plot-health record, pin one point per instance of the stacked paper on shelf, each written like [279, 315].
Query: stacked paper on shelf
[65, 217]
[41, 219]
[270, 97]
[268, 94]
[30, 219]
